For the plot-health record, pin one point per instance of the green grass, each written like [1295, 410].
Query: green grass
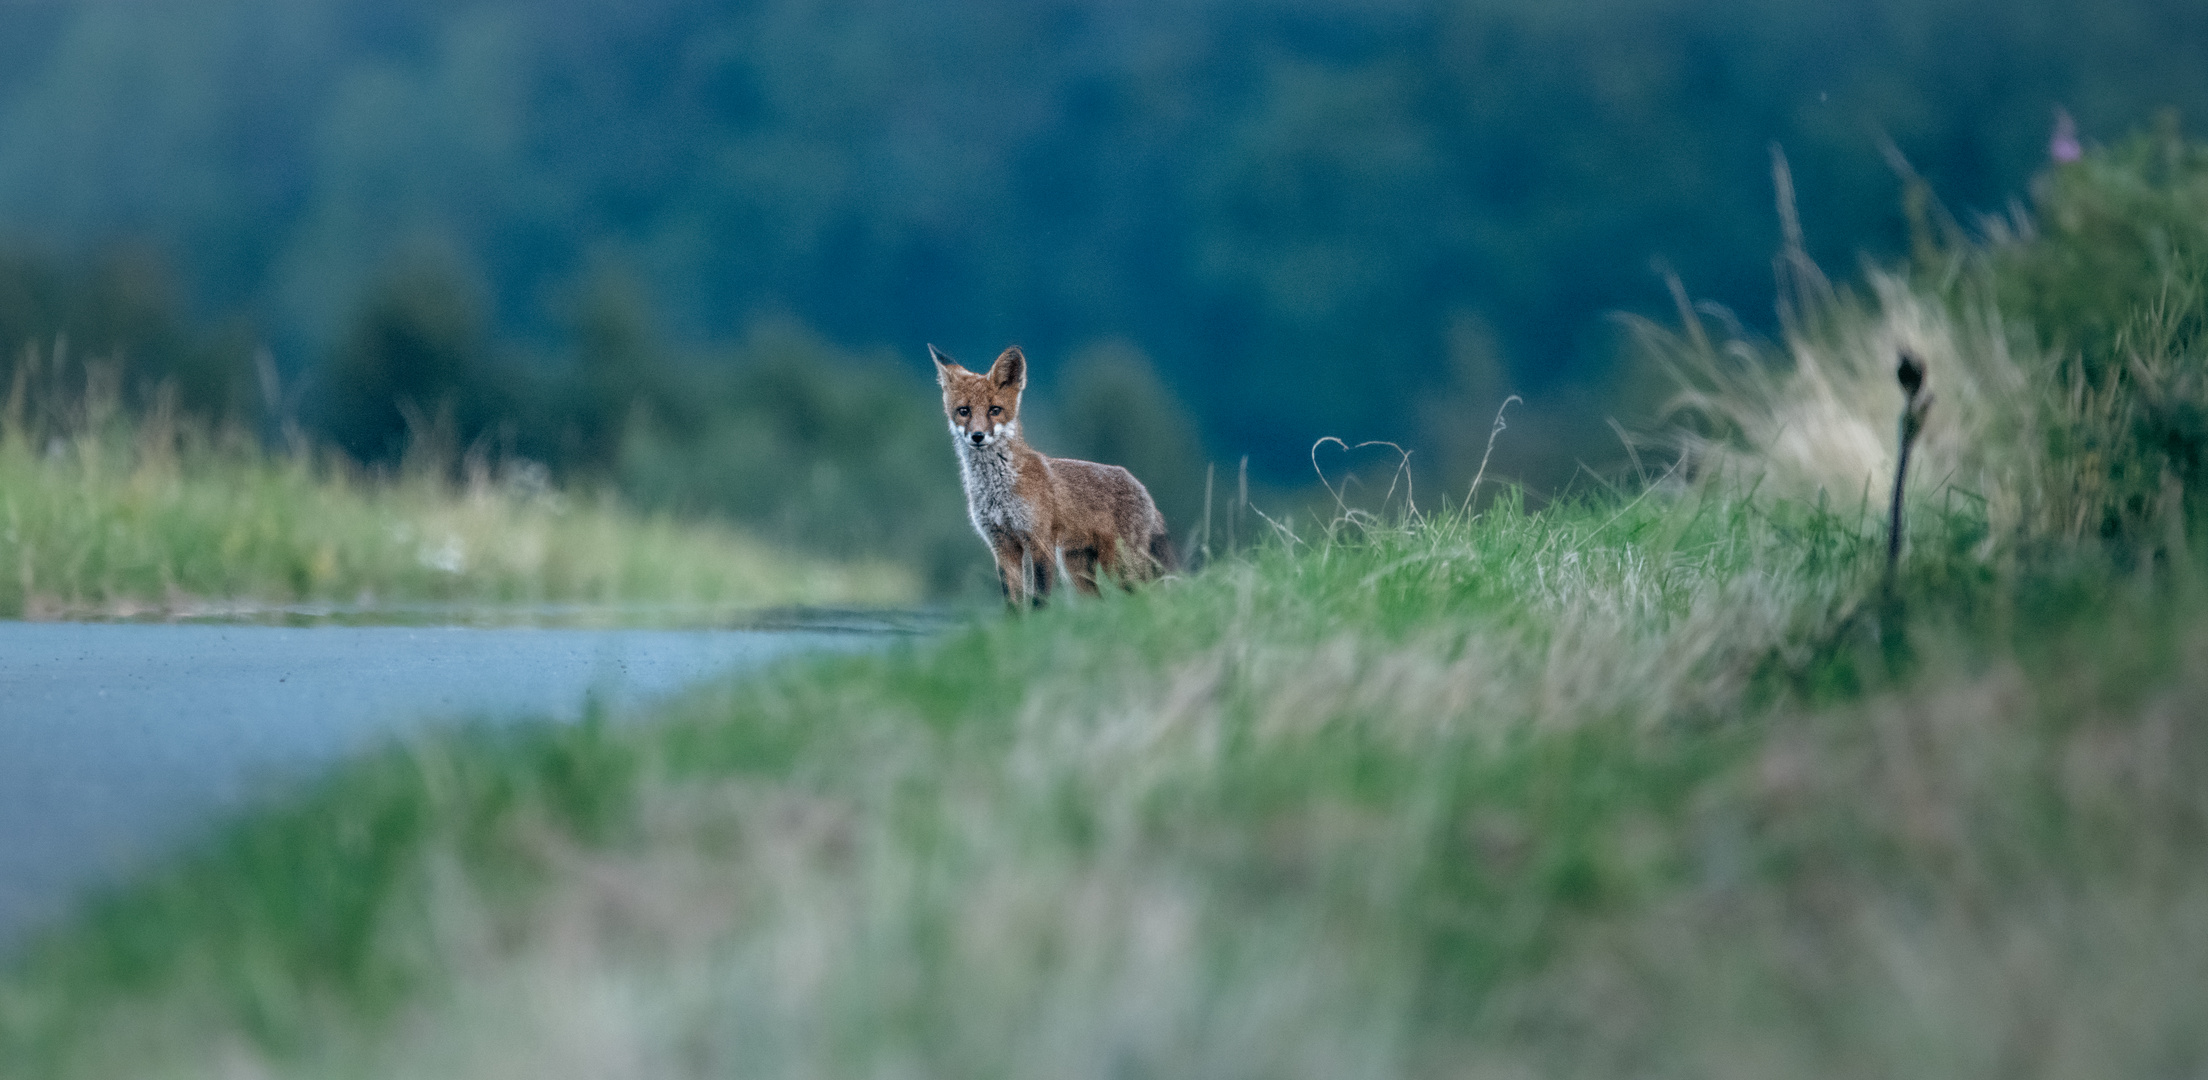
[107, 517]
[1616, 787]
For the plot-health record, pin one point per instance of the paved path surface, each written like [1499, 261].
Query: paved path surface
[117, 740]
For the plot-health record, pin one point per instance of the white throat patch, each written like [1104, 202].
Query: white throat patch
[987, 472]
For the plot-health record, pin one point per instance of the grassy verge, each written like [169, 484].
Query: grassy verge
[1622, 787]
[105, 517]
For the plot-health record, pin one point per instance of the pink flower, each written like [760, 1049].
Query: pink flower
[2063, 145]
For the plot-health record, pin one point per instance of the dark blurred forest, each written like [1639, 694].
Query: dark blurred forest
[695, 249]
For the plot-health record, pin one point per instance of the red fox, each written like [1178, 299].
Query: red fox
[1043, 514]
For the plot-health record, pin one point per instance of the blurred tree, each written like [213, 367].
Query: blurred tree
[1288, 203]
[1110, 406]
[839, 453]
[123, 311]
[1456, 419]
[418, 352]
[621, 368]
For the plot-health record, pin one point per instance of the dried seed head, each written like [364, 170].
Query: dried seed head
[1911, 373]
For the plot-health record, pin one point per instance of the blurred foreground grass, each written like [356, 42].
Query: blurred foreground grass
[104, 515]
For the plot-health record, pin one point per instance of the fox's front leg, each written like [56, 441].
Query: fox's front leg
[1022, 572]
[1011, 571]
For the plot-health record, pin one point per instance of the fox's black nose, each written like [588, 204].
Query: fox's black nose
[977, 437]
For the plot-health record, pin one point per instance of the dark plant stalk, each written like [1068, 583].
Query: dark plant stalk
[1915, 403]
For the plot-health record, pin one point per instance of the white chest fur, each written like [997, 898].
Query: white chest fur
[988, 473]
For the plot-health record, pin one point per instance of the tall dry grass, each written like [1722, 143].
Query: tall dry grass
[2067, 358]
[1816, 413]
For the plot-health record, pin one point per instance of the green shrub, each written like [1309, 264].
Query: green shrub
[2116, 254]
[2112, 281]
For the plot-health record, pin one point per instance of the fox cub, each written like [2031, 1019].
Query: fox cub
[1043, 515]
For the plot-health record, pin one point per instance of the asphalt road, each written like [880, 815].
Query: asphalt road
[117, 741]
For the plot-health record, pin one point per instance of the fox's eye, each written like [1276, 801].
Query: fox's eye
[994, 410]
[964, 411]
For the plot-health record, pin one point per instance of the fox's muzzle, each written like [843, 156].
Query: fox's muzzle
[979, 437]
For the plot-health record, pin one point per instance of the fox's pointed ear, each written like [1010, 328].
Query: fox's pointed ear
[945, 367]
[1010, 370]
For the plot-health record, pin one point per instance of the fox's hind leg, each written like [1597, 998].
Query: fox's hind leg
[1119, 561]
[1039, 567]
[1081, 567]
